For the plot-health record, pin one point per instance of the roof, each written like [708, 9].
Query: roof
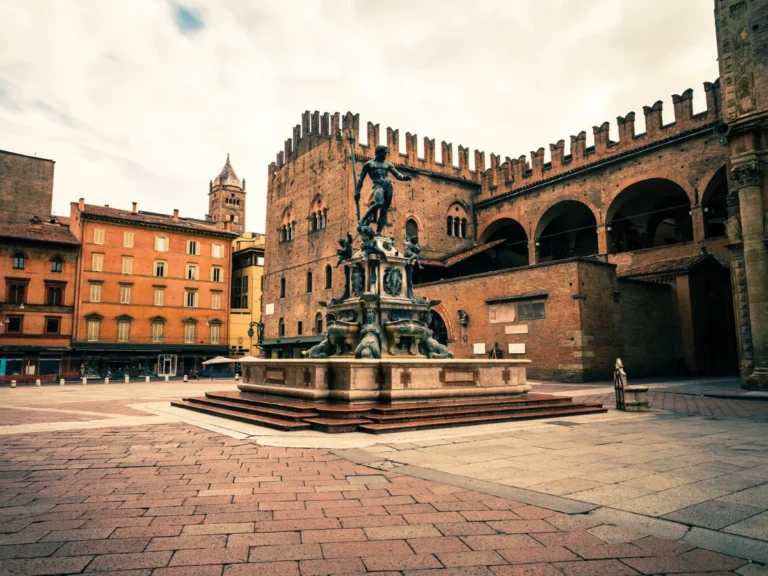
[674, 267]
[227, 176]
[45, 232]
[463, 255]
[151, 219]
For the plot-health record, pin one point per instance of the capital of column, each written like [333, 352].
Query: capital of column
[750, 174]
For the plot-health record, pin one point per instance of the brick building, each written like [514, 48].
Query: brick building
[245, 293]
[618, 249]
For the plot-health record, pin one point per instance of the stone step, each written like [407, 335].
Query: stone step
[422, 424]
[269, 401]
[252, 408]
[530, 399]
[276, 423]
[336, 425]
[500, 408]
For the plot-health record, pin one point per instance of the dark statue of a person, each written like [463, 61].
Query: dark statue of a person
[411, 251]
[370, 341]
[378, 169]
[345, 250]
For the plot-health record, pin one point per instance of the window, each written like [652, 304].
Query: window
[282, 287]
[189, 333]
[127, 265]
[300, 328]
[281, 328]
[450, 226]
[125, 294]
[56, 264]
[14, 324]
[97, 262]
[411, 228]
[217, 251]
[217, 274]
[161, 270]
[328, 277]
[192, 247]
[95, 295]
[245, 284]
[18, 261]
[161, 244]
[127, 239]
[530, 311]
[52, 325]
[159, 296]
[216, 300]
[16, 293]
[309, 281]
[190, 298]
[53, 296]
[191, 272]
[98, 235]
[244, 301]
[318, 323]
[157, 330]
[215, 333]
[93, 330]
[123, 330]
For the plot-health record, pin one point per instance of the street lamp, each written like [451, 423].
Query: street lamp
[260, 328]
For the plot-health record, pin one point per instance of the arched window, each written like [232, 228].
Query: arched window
[18, 261]
[449, 229]
[309, 281]
[463, 228]
[411, 228]
[457, 220]
[318, 214]
[318, 323]
[456, 231]
[328, 277]
[282, 287]
[56, 264]
[281, 328]
[287, 226]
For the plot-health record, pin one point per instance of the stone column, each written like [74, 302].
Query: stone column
[602, 239]
[697, 219]
[532, 252]
[747, 179]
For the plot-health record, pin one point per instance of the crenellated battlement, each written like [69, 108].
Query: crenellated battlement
[500, 177]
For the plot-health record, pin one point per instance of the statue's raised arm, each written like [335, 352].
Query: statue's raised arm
[396, 174]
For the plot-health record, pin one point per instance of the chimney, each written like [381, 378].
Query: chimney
[135, 204]
[81, 204]
[175, 214]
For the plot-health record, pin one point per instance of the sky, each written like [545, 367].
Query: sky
[142, 100]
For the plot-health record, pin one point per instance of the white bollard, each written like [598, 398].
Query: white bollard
[167, 379]
[13, 383]
[37, 382]
[185, 378]
[106, 380]
[61, 382]
[127, 379]
[85, 381]
[146, 379]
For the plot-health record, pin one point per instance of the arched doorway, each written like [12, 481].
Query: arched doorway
[715, 203]
[411, 228]
[511, 253]
[650, 213]
[437, 325]
[567, 230]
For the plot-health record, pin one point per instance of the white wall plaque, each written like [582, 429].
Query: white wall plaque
[269, 309]
[517, 348]
[516, 329]
[478, 348]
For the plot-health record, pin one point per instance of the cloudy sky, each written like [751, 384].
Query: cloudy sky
[141, 100]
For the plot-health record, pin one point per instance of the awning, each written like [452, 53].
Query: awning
[220, 360]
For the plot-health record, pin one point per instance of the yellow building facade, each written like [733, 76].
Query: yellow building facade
[245, 295]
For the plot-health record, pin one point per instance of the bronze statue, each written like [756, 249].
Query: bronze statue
[368, 236]
[432, 349]
[411, 251]
[345, 252]
[377, 169]
[370, 341]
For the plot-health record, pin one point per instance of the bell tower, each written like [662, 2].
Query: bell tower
[226, 199]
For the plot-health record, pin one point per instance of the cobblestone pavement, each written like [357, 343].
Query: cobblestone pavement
[173, 499]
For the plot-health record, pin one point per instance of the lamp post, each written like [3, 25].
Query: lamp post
[260, 328]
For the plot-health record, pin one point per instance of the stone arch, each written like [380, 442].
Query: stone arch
[714, 200]
[440, 311]
[649, 213]
[457, 220]
[513, 251]
[412, 227]
[318, 213]
[287, 227]
[567, 229]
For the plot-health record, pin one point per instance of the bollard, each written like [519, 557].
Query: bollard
[127, 379]
[146, 379]
[185, 378]
[85, 381]
[167, 379]
[13, 383]
[61, 382]
[37, 382]
[106, 380]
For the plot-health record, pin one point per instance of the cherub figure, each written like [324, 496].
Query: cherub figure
[345, 250]
[411, 251]
[368, 237]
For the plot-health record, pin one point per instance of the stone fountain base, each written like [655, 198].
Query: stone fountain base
[390, 380]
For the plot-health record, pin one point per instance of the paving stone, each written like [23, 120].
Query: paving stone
[595, 568]
[708, 560]
[462, 571]
[94, 547]
[188, 571]
[473, 558]
[40, 566]
[401, 562]
[500, 541]
[271, 568]
[567, 539]
[661, 547]
[437, 545]
[526, 570]
[401, 532]
[521, 526]
[538, 555]
[754, 527]
[285, 552]
[713, 514]
[212, 556]
[465, 529]
[187, 542]
[338, 535]
[372, 521]
[323, 567]
[130, 561]
[361, 549]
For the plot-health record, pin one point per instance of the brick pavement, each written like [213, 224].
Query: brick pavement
[174, 499]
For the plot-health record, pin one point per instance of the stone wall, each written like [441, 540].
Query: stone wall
[26, 183]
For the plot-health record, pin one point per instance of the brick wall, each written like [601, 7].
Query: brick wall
[26, 183]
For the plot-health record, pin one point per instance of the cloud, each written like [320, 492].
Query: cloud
[143, 100]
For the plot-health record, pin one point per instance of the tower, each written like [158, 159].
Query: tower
[226, 199]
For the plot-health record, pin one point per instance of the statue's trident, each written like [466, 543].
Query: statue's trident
[351, 139]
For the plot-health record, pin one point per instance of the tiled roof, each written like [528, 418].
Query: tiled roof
[63, 220]
[463, 255]
[150, 219]
[227, 176]
[46, 232]
[672, 267]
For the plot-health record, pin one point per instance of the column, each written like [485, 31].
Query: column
[532, 252]
[697, 219]
[602, 239]
[747, 179]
